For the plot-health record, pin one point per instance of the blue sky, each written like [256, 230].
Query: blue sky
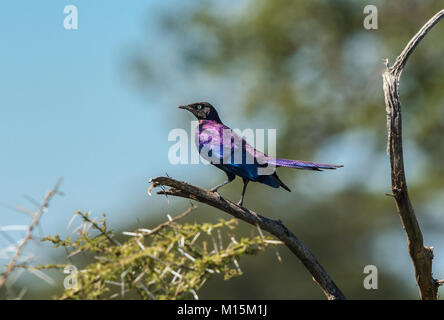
[68, 110]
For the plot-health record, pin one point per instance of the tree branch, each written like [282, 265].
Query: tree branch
[277, 228]
[35, 220]
[421, 256]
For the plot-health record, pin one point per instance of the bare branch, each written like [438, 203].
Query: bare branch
[401, 60]
[169, 222]
[277, 228]
[35, 220]
[421, 256]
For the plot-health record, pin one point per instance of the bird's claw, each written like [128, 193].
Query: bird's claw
[215, 191]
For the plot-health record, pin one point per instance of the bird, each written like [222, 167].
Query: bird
[221, 146]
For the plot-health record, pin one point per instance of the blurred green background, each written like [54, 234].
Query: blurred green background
[310, 70]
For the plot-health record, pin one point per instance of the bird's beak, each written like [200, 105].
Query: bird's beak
[185, 108]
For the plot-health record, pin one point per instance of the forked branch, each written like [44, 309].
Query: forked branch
[35, 221]
[421, 255]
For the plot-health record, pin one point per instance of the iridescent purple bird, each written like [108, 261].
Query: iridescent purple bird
[226, 150]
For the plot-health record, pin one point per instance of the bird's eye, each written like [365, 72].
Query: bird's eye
[199, 106]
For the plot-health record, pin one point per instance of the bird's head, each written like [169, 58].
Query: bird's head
[202, 111]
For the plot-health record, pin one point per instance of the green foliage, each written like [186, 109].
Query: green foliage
[172, 261]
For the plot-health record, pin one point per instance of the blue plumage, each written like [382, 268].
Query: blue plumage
[227, 151]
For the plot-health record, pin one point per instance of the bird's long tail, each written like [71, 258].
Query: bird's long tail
[299, 164]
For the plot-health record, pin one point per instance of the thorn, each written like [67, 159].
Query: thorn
[260, 232]
[196, 297]
[278, 256]
[150, 188]
[192, 205]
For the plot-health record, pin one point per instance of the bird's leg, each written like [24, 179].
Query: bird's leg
[214, 189]
[230, 178]
[243, 192]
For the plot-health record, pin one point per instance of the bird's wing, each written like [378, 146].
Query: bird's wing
[241, 149]
[228, 147]
[261, 159]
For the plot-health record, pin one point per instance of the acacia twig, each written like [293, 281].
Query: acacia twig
[35, 221]
[96, 226]
[169, 222]
[275, 227]
[421, 255]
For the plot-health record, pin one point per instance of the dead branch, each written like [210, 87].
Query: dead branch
[421, 255]
[34, 222]
[275, 227]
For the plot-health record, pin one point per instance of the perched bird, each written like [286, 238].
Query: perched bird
[221, 146]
